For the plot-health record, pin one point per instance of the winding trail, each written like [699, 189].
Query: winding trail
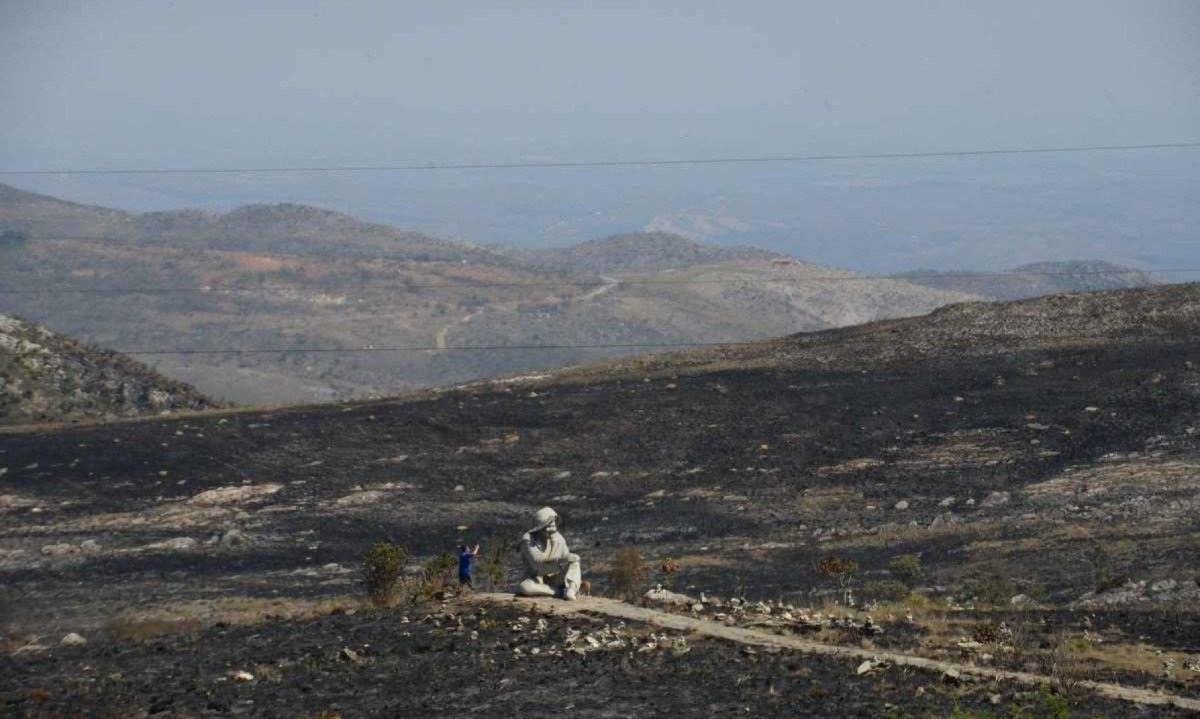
[439, 340]
[758, 637]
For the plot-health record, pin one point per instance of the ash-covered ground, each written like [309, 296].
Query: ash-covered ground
[1058, 469]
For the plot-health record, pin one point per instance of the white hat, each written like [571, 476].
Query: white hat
[544, 517]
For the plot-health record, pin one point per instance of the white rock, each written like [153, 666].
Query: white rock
[664, 596]
[72, 640]
[234, 538]
[996, 499]
[89, 546]
[175, 543]
[902, 504]
[59, 550]
[947, 502]
[241, 675]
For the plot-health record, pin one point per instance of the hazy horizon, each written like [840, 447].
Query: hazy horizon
[144, 85]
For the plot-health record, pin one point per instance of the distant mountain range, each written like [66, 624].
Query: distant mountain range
[292, 279]
[45, 376]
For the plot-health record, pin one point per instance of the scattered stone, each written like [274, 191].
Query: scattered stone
[902, 504]
[459, 488]
[996, 499]
[952, 676]
[234, 538]
[59, 550]
[175, 543]
[241, 675]
[947, 502]
[230, 495]
[90, 546]
[349, 655]
[1022, 600]
[664, 596]
[72, 640]
[869, 666]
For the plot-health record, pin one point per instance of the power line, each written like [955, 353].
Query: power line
[604, 163]
[589, 283]
[409, 348]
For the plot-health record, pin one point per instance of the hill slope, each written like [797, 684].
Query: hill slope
[1045, 451]
[1038, 278]
[47, 377]
[636, 252]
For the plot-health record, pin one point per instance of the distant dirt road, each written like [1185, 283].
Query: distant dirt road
[756, 637]
[440, 340]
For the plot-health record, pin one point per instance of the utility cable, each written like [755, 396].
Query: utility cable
[604, 163]
[216, 288]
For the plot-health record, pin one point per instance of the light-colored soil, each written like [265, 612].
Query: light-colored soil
[755, 637]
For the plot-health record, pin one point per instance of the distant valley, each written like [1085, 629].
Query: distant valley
[299, 280]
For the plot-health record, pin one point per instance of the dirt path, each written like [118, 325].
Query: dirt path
[440, 339]
[610, 283]
[756, 637]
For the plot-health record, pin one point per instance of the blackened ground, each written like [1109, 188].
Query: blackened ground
[432, 667]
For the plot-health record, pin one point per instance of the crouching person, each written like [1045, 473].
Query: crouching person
[550, 568]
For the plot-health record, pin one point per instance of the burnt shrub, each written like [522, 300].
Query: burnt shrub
[841, 570]
[628, 573]
[382, 567]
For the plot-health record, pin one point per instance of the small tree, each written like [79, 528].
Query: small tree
[627, 574]
[382, 566]
[841, 570]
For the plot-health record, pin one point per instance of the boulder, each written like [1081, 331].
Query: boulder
[72, 640]
[659, 595]
[59, 550]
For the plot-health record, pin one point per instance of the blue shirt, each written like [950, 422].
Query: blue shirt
[464, 563]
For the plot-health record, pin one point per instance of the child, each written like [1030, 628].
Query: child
[465, 556]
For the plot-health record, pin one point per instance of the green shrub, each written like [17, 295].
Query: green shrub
[906, 568]
[437, 576]
[995, 589]
[382, 567]
[494, 563]
[886, 590]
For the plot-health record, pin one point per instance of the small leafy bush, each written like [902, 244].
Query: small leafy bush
[906, 568]
[382, 567]
[494, 563]
[995, 589]
[886, 590]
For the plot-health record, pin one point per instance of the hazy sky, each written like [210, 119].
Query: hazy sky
[151, 83]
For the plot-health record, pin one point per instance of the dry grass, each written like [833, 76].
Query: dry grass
[183, 617]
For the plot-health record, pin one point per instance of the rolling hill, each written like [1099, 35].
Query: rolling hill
[46, 377]
[295, 279]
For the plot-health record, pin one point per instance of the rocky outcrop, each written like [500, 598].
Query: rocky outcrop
[46, 377]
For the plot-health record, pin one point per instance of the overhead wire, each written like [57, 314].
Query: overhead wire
[407, 286]
[659, 162]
